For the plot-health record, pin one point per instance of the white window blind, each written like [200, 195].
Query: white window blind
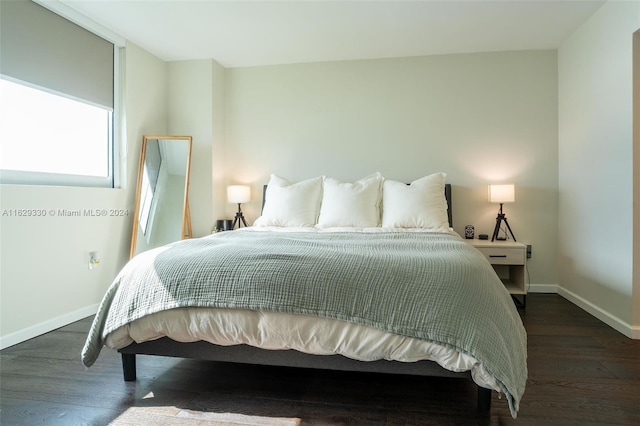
[47, 50]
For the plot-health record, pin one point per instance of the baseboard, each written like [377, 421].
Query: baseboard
[543, 288]
[604, 316]
[46, 326]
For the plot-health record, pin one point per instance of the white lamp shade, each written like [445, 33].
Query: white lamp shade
[502, 193]
[238, 194]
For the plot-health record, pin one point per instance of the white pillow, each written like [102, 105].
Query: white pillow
[421, 204]
[291, 204]
[351, 204]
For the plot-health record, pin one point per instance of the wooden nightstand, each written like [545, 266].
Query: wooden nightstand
[508, 258]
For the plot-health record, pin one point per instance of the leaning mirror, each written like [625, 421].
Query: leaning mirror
[162, 202]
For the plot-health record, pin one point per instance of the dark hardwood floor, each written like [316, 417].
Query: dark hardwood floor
[581, 372]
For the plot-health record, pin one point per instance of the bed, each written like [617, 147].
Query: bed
[364, 276]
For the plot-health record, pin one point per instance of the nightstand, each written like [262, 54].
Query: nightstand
[508, 258]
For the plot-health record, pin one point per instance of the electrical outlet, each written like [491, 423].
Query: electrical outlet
[528, 251]
[94, 259]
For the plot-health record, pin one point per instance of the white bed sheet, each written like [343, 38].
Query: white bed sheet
[278, 331]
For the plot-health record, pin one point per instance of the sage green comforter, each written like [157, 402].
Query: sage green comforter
[429, 286]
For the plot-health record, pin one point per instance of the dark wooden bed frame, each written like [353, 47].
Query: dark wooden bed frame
[244, 354]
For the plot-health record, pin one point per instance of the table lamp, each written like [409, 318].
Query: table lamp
[502, 194]
[238, 194]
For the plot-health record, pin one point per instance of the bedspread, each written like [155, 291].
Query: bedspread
[428, 286]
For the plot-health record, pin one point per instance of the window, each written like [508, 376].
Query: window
[43, 133]
[58, 99]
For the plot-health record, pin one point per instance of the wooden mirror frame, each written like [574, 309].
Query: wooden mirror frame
[186, 216]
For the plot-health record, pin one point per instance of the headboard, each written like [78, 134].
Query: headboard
[447, 195]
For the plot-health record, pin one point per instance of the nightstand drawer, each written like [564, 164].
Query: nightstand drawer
[504, 256]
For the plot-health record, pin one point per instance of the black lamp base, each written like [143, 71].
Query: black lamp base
[239, 220]
[501, 218]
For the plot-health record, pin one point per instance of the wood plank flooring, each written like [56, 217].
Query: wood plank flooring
[581, 372]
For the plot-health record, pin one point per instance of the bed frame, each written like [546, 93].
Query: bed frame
[244, 354]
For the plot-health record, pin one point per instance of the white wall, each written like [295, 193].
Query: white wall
[481, 118]
[596, 166]
[190, 113]
[196, 100]
[44, 279]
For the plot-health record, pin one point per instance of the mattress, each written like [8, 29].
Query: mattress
[307, 334]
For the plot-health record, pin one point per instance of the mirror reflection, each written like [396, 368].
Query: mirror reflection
[162, 209]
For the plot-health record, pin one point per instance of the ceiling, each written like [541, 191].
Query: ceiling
[243, 33]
